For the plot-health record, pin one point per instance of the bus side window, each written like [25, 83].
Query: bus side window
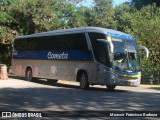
[100, 50]
[77, 42]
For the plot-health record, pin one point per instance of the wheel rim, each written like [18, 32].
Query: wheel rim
[83, 80]
[29, 75]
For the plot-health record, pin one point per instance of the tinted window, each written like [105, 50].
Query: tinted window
[100, 49]
[58, 42]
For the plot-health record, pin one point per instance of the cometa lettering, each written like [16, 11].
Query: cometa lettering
[62, 56]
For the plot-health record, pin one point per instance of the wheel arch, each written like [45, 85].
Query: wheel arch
[26, 68]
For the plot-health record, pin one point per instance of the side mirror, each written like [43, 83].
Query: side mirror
[110, 47]
[146, 50]
[110, 44]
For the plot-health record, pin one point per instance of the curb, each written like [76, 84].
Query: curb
[153, 86]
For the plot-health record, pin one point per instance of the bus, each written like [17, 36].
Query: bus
[88, 55]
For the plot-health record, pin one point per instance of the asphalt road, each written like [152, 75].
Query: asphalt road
[20, 95]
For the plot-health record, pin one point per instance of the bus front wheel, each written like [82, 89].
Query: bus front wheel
[29, 76]
[83, 79]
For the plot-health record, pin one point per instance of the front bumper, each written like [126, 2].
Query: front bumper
[124, 80]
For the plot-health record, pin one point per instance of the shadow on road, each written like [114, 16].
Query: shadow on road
[44, 82]
[155, 88]
[61, 98]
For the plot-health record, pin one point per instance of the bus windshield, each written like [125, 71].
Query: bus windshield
[126, 57]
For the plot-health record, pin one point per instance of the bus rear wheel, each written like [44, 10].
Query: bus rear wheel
[29, 76]
[111, 87]
[83, 80]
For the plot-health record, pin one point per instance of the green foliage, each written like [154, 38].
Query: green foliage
[104, 13]
[141, 3]
[121, 12]
[32, 16]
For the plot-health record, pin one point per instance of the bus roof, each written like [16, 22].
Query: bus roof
[110, 32]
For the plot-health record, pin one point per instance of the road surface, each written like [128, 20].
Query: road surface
[20, 95]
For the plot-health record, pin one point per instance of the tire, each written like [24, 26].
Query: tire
[110, 87]
[29, 76]
[83, 80]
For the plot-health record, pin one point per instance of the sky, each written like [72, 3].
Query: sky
[115, 2]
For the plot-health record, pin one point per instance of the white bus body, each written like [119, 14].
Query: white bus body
[89, 55]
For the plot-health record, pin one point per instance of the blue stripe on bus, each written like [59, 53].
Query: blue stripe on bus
[122, 36]
[126, 73]
[54, 55]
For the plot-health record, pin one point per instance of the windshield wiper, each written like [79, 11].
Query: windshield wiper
[130, 59]
[125, 61]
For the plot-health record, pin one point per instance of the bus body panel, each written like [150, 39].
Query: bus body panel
[54, 69]
[50, 65]
[68, 71]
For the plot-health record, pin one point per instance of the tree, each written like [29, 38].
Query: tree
[6, 33]
[120, 11]
[22, 17]
[141, 3]
[104, 13]
[145, 26]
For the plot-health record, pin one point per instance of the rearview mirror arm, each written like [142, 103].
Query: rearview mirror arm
[146, 49]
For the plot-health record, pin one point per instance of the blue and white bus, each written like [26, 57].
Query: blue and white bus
[88, 55]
